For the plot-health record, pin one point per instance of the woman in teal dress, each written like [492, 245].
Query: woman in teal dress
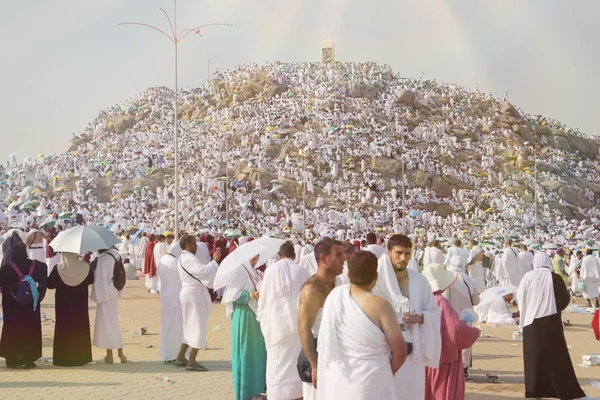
[248, 352]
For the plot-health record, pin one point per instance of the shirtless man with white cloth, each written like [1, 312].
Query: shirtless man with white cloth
[410, 295]
[312, 298]
[359, 336]
[278, 317]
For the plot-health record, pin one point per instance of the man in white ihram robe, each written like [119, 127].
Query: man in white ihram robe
[346, 331]
[425, 338]
[171, 318]
[278, 317]
[508, 272]
[107, 332]
[196, 303]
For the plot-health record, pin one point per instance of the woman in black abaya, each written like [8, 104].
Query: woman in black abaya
[72, 340]
[21, 342]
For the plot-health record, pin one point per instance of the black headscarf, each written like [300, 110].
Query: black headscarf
[8, 247]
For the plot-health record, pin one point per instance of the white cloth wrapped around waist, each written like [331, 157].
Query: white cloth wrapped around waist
[354, 357]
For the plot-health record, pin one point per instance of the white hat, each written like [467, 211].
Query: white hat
[439, 278]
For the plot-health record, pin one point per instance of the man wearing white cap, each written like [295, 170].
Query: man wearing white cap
[549, 371]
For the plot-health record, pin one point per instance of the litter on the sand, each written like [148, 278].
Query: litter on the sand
[217, 328]
[595, 384]
[582, 365]
[149, 346]
[166, 379]
[43, 360]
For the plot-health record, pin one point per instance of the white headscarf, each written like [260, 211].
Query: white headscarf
[245, 279]
[536, 291]
[72, 271]
[541, 259]
[175, 249]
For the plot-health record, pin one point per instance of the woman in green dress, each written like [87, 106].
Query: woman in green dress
[248, 352]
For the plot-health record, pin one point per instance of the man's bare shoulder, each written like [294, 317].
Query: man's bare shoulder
[314, 287]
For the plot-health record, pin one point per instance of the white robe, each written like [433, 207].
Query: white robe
[500, 314]
[308, 390]
[525, 263]
[196, 303]
[376, 249]
[426, 337]
[107, 332]
[460, 252]
[433, 255]
[354, 356]
[508, 273]
[309, 262]
[171, 318]
[278, 317]
[590, 273]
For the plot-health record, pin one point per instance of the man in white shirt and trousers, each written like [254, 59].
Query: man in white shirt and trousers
[410, 295]
[107, 332]
[278, 317]
[196, 302]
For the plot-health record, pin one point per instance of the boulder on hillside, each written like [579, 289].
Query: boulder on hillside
[405, 97]
[524, 132]
[362, 90]
[574, 198]
[120, 123]
[588, 146]
[509, 109]
[440, 208]
[552, 185]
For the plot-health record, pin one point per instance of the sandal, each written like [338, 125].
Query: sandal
[196, 368]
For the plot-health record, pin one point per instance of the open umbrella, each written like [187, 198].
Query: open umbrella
[265, 247]
[82, 239]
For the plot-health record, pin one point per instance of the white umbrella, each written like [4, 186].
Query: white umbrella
[81, 239]
[265, 247]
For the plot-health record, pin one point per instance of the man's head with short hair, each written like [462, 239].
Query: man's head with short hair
[329, 255]
[188, 243]
[457, 243]
[348, 248]
[286, 250]
[371, 238]
[399, 251]
[473, 242]
[589, 252]
[523, 247]
[161, 238]
[508, 243]
[579, 254]
[362, 268]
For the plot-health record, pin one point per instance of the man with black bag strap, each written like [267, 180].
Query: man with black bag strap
[107, 288]
[330, 259]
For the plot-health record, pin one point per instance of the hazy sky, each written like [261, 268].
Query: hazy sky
[62, 61]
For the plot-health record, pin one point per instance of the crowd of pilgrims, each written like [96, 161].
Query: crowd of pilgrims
[124, 182]
[126, 179]
[367, 318]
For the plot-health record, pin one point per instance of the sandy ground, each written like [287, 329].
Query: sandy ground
[497, 354]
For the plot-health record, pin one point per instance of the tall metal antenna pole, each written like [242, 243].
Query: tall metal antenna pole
[175, 37]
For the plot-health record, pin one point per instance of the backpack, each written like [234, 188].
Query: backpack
[27, 292]
[119, 275]
[487, 262]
